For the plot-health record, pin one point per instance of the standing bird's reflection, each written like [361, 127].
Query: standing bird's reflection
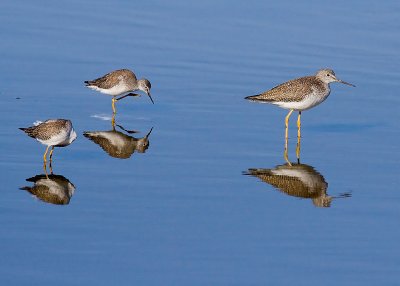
[54, 189]
[297, 180]
[118, 144]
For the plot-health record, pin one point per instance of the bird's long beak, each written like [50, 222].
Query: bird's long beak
[148, 134]
[150, 97]
[341, 81]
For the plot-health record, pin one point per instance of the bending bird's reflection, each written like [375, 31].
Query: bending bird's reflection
[118, 144]
[297, 180]
[54, 189]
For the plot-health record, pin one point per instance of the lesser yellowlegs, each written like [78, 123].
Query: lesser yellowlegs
[53, 133]
[119, 82]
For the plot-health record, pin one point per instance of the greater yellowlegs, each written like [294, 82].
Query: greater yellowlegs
[299, 94]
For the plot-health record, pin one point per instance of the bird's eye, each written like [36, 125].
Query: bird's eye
[327, 74]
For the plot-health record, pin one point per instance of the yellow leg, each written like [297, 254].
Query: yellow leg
[287, 124]
[45, 155]
[113, 105]
[299, 125]
[51, 154]
[285, 153]
[113, 121]
[298, 150]
[298, 137]
[45, 170]
[51, 168]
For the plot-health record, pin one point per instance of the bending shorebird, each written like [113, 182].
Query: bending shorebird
[119, 82]
[300, 94]
[53, 133]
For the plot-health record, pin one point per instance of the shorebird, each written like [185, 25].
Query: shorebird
[53, 133]
[297, 180]
[119, 82]
[299, 94]
[54, 189]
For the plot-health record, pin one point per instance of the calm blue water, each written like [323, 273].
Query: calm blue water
[182, 212]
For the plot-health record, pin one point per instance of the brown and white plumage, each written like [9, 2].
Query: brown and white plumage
[53, 133]
[297, 180]
[119, 82]
[299, 94]
[118, 144]
[54, 189]
[292, 91]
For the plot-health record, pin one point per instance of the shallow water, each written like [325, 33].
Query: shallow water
[181, 212]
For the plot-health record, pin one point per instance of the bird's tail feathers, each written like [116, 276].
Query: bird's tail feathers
[254, 98]
[257, 98]
[28, 131]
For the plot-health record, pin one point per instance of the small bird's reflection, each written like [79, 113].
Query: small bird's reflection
[297, 180]
[118, 144]
[54, 189]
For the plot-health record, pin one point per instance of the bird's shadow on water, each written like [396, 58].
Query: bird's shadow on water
[297, 179]
[119, 144]
[50, 188]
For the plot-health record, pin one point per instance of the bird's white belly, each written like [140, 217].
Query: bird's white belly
[307, 103]
[115, 90]
[63, 138]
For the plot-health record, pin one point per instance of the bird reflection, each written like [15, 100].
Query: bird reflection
[118, 144]
[297, 180]
[50, 188]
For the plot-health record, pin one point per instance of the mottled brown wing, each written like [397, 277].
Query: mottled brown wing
[44, 194]
[290, 185]
[111, 79]
[46, 129]
[293, 90]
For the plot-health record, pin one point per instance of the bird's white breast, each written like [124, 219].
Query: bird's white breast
[308, 102]
[61, 139]
[114, 91]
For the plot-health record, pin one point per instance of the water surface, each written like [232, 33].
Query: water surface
[182, 212]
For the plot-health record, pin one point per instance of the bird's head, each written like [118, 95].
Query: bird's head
[145, 85]
[328, 76]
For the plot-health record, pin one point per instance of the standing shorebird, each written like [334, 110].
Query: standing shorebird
[119, 82]
[300, 94]
[53, 133]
